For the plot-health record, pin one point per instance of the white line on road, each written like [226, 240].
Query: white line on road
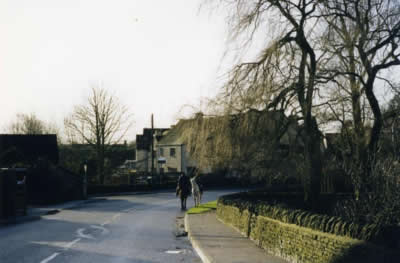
[106, 223]
[50, 258]
[104, 231]
[82, 235]
[116, 216]
[173, 251]
[129, 210]
[70, 244]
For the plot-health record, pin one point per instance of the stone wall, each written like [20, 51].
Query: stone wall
[301, 244]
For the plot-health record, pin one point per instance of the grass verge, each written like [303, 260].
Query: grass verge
[203, 208]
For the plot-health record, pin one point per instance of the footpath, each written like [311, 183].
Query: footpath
[216, 242]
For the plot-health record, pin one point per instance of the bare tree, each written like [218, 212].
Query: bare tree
[30, 124]
[362, 40]
[284, 75]
[100, 122]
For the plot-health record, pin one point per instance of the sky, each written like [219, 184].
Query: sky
[154, 55]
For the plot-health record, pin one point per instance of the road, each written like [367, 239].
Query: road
[118, 229]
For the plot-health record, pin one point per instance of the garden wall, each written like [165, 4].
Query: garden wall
[300, 236]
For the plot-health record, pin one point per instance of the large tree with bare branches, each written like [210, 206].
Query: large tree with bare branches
[100, 122]
[315, 55]
[362, 42]
[283, 76]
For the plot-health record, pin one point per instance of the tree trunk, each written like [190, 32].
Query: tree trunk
[312, 184]
[100, 164]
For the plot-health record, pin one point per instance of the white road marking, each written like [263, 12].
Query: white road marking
[129, 210]
[104, 230]
[50, 258]
[116, 216]
[82, 235]
[106, 223]
[70, 244]
[173, 251]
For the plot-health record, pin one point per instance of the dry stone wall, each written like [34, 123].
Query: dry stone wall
[302, 244]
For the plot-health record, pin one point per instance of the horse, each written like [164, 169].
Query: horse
[196, 191]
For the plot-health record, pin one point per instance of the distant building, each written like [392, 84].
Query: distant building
[27, 149]
[143, 149]
[171, 152]
[170, 148]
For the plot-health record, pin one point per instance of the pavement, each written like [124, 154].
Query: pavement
[216, 242]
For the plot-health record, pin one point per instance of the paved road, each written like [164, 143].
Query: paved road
[120, 229]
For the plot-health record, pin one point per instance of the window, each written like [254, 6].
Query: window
[172, 152]
[172, 170]
[161, 152]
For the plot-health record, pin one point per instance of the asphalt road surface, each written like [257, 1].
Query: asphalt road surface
[120, 229]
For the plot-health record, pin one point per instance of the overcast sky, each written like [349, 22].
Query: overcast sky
[155, 55]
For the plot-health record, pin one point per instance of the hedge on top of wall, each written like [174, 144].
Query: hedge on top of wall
[268, 206]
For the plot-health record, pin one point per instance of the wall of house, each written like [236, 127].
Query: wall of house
[172, 162]
[190, 162]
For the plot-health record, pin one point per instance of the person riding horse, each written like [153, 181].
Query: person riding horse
[183, 189]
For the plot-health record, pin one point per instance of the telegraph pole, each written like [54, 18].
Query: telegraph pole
[152, 146]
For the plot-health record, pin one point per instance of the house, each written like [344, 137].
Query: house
[144, 144]
[171, 150]
[248, 144]
[182, 148]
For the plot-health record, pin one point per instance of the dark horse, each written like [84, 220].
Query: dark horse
[183, 189]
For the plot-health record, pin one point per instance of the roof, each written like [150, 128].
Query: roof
[266, 120]
[174, 135]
